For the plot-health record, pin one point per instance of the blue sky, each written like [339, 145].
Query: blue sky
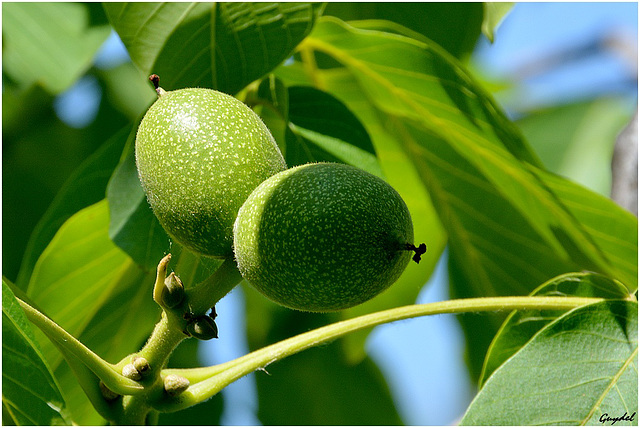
[422, 358]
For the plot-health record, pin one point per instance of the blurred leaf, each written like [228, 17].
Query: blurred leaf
[520, 326]
[319, 388]
[314, 126]
[133, 226]
[575, 370]
[494, 13]
[51, 44]
[30, 393]
[576, 140]
[273, 91]
[40, 153]
[128, 89]
[224, 46]
[454, 26]
[85, 187]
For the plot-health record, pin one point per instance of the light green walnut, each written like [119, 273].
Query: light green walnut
[199, 154]
[323, 237]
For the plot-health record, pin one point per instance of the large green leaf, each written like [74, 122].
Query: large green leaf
[578, 369]
[77, 272]
[613, 229]
[51, 44]
[483, 177]
[521, 326]
[30, 393]
[96, 292]
[448, 101]
[224, 46]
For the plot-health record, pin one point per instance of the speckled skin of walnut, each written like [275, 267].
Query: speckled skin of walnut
[322, 237]
[199, 154]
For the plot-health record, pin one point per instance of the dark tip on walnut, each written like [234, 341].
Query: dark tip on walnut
[155, 79]
[419, 251]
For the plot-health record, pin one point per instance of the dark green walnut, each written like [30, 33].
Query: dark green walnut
[323, 237]
[199, 154]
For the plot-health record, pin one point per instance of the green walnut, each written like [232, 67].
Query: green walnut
[323, 237]
[199, 154]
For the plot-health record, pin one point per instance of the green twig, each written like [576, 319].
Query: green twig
[62, 339]
[207, 381]
[166, 336]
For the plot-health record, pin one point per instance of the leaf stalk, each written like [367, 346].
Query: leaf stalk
[64, 340]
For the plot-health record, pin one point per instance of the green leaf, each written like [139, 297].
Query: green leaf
[520, 326]
[275, 93]
[578, 369]
[133, 227]
[50, 44]
[494, 13]
[76, 273]
[483, 177]
[224, 46]
[128, 89]
[271, 103]
[321, 128]
[613, 229]
[85, 187]
[120, 326]
[97, 293]
[30, 393]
